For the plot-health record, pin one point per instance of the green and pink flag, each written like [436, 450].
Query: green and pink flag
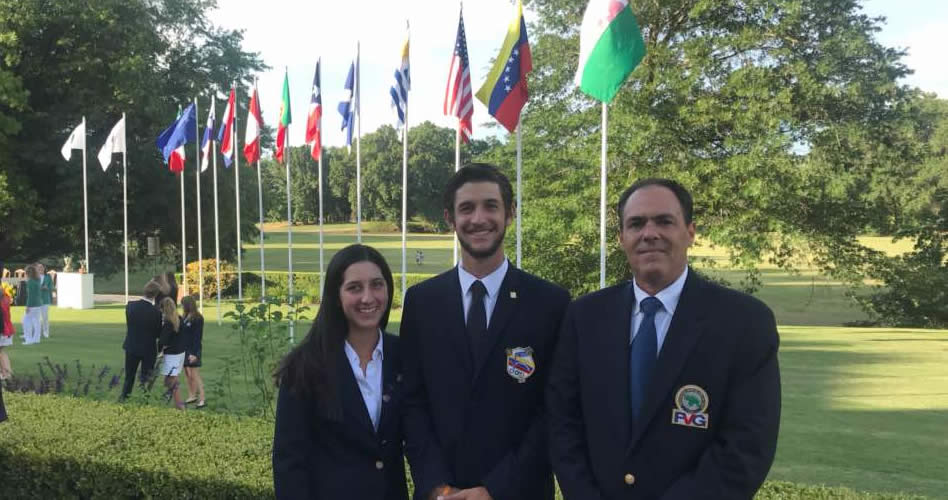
[610, 47]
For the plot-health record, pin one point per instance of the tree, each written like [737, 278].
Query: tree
[98, 60]
[749, 104]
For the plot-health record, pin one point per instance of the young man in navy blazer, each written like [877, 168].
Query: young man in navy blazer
[477, 344]
[143, 326]
[665, 387]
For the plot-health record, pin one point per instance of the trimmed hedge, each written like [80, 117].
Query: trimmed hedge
[64, 447]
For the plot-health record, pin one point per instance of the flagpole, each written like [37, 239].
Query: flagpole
[85, 195]
[404, 200]
[197, 175]
[358, 113]
[457, 166]
[519, 191]
[289, 225]
[236, 152]
[184, 259]
[263, 274]
[217, 233]
[602, 200]
[125, 200]
[322, 281]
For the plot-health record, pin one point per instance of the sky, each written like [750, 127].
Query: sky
[331, 29]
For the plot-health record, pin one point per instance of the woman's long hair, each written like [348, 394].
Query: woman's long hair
[309, 369]
[189, 307]
[169, 312]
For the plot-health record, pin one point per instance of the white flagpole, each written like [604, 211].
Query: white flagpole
[322, 281]
[217, 233]
[457, 166]
[404, 200]
[519, 191]
[358, 110]
[602, 202]
[263, 274]
[289, 222]
[236, 152]
[197, 175]
[85, 195]
[184, 259]
[125, 198]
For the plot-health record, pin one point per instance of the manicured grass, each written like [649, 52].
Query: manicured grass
[862, 408]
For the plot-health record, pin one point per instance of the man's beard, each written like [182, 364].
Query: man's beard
[489, 251]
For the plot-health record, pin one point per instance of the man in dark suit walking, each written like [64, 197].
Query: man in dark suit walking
[665, 387]
[477, 344]
[143, 326]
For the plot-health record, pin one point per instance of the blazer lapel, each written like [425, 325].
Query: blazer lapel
[389, 363]
[503, 310]
[351, 397]
[612, 351]
[683, 333]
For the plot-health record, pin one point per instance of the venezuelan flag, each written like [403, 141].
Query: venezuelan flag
[505, 90]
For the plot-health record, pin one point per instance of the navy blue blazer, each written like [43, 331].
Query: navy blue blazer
[685, 445]
[143, 326]
[317, 455]
[468, 420]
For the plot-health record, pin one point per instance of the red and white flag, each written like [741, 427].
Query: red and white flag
[314, 122]
[254, 126]
[225, 135]
[458, 100]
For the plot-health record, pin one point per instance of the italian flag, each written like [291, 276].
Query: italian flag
[610, 47]
[285, 120]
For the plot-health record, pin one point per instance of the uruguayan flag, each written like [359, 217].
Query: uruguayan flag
[399, 91]
[349, 105]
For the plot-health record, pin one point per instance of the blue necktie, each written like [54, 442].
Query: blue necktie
[642, 355]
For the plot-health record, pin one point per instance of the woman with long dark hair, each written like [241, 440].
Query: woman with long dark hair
[338, 433]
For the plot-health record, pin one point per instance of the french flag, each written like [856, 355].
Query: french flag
[225, 135]
[171, 142]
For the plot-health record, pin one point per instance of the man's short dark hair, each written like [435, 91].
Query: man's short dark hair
[684, 197]
[152, 289]
[478, 172]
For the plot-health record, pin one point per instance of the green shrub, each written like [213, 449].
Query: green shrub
[306, 285]
[63, 447]
[209, 266]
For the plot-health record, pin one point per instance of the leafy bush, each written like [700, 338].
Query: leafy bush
[209, 266]
[63, 447]
[306, 285]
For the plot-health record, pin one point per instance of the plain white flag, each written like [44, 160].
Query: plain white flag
[115, 143]
[76, 140]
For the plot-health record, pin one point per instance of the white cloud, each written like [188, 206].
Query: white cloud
[291, 34]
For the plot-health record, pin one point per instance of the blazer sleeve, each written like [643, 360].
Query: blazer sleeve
[292, 446]
[569, 451]
[736, 464]
[422, 449]
[533, 453]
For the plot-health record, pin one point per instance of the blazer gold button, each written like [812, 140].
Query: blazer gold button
[386, 398]
[629, 479]
[379, 465]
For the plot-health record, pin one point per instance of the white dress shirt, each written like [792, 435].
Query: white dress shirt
[491, 282]
[370, 382]
[668, 297]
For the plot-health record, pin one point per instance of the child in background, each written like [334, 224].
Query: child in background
[193, 331]
[171, 345]
[32, 320]
[46, 297]
[6, 330]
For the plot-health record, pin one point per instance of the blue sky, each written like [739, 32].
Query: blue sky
[330, 29]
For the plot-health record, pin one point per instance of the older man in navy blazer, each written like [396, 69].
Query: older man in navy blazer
[665, 387]
[477, 344]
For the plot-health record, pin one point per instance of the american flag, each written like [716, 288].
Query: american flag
[458, 100]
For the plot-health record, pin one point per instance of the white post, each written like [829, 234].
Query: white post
[85, 196]
[404, 202]
[322, 281]
[184, 259]
[125, 199]
[217, 233]
[457, 166]
[263, 275]
[197, 175]
[519, 192]
[358, 110]
[289, 225]
[236, 153]
[602, 202]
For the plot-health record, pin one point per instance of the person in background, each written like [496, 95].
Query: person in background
[32, 320]
[6, 330]
[46, 296]
[169, 287]
[171, 344]
[338, 432]
[143, 325]
[193, 331]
